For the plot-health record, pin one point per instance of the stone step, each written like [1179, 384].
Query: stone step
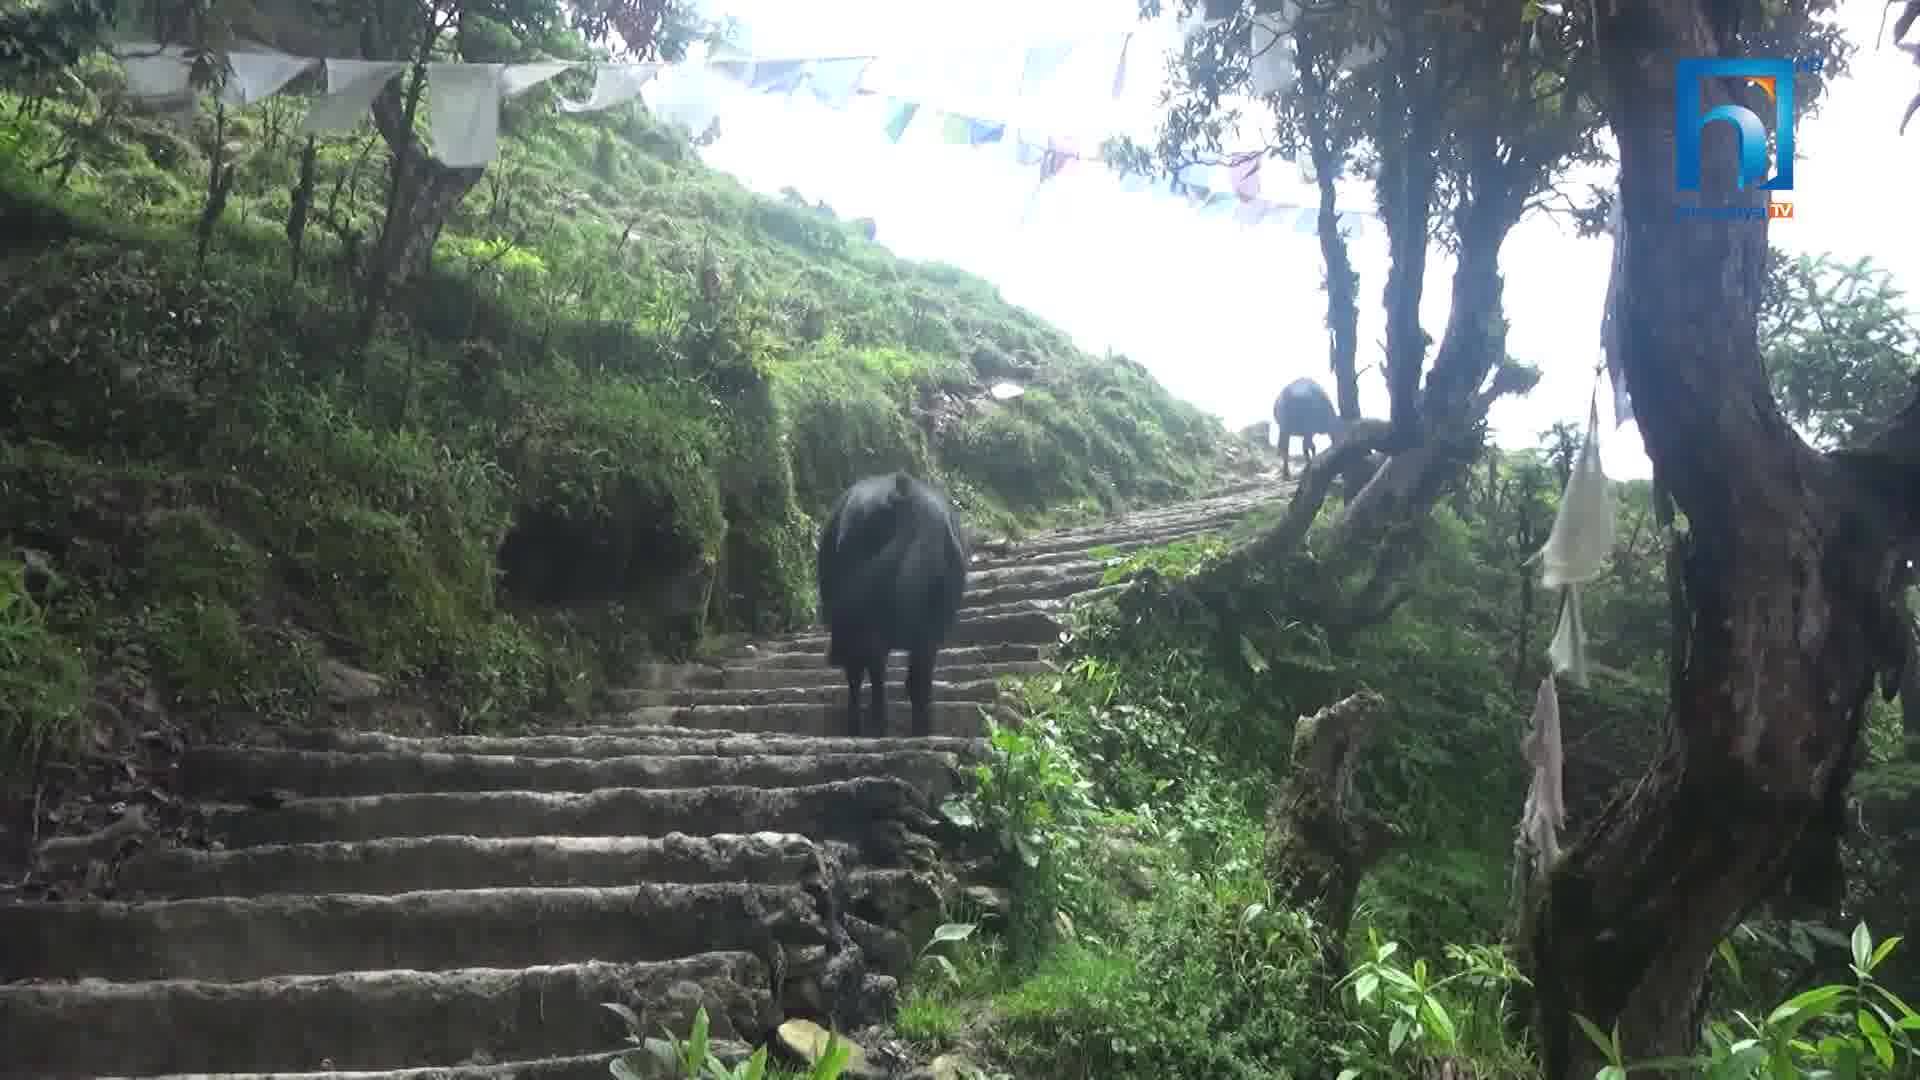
[577, 1067]
[866, 813]
[1074, 556]
[966, 719]
[625, 741]
[408, 864]
[1038, 576]
[981, 690]
[1030, 626]
[1204, 509]
[369, 1019]
[755, 677]
[237, 773]
[790, 653]
[240, 938]
[1127, 539]
[1052, 587]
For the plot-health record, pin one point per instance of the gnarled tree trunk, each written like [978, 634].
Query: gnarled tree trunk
[1319, 843]
[1787, 576]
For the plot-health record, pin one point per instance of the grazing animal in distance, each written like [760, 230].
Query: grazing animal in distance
[892, 569]
[1304, 409]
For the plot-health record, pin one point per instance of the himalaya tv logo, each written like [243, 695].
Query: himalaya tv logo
[1774, 78]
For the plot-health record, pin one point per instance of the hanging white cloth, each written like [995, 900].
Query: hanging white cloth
[520, 78]
[1610, 319]
[464, 113]
[1577, 550]
[351, 87]
[1042, 63]
[688, 94]
[613, 84]
[256, 76]
[1545, 813]
[834, 82]
[155, 76]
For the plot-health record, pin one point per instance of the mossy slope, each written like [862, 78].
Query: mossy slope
[605, 422]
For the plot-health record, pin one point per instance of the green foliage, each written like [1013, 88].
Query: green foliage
[43, 678]
[693, 1058]
[1857, 1029]
[1409, 1014]
[1202, 979]
[1841, 346]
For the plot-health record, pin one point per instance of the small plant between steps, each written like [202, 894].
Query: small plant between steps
[693, 1059]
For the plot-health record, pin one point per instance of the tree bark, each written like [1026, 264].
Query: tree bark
[430, 193]
[1343, 283]
[1319, 843]
[1910, 693]
[1786, 575]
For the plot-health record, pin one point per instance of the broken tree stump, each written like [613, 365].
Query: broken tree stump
[1319, 842]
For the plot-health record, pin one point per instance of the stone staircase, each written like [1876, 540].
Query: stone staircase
[374, 905]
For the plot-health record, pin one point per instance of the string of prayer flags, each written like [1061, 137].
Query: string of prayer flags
[465, 99]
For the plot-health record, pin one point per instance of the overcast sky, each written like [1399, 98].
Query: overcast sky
[1224, 314]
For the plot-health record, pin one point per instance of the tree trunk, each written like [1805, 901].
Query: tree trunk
[1319, 843]
[1910, 693]
[430, 195]
[1343, 283]
[1786, 571]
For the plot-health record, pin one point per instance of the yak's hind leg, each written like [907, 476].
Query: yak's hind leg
[877, 674]
[855, 672]
[920, 687]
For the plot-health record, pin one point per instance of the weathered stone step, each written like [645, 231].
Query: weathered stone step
[987, 595]
[1031, 626]
[864, 812]
[368, 1019]
[957, 718]
[1023, 574]
[1122, 539]
[1206, 509]
[1076, 556]
[981, 690]
[578, 1067]
[817, 673]
[624, 741]
[237, 773]
[408, 864]
[810, 651]
[233, 938]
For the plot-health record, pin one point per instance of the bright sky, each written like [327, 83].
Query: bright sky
[1223, 314]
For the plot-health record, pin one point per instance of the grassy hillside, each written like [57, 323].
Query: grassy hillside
[603, 425]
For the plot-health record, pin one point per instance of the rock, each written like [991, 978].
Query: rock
[807, 1041]
[955, 1067]
[1257, 434]
[342, 685]
[988, 899]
